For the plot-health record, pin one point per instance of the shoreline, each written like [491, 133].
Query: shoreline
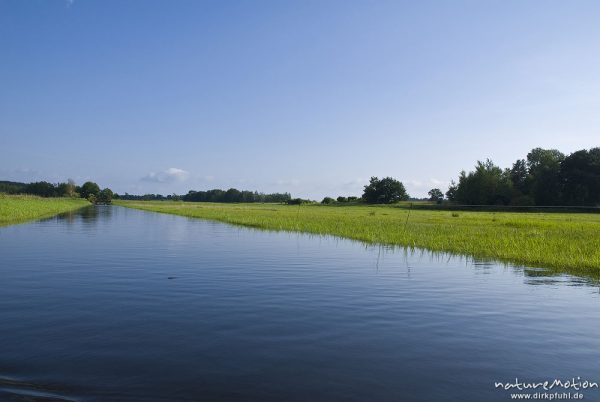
[561, 242]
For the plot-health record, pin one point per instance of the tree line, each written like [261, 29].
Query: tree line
[546, 177]
[214, 195]
[88, 190]
[147, 197]
[235, 195]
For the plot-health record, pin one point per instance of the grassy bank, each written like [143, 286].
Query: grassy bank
[22, 208]
[564, 242]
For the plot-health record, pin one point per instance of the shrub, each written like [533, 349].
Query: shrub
[104, 197]
[298, 201]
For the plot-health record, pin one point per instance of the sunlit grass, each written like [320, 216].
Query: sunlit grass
[22, 208]
[565, 242]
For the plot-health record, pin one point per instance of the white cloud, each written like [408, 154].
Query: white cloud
[167, 176]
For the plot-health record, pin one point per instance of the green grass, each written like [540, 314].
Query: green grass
[23, 208]
[564, 242]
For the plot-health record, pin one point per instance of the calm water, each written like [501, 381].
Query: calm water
[113, 304]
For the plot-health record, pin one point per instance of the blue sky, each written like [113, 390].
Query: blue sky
[310, 97]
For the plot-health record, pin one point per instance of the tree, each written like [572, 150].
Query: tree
[232, 195]
[41, 188]
[544, 171]
[12, 187]
[89, 188]
[451, 193]
[70, 188]
[539, 158]
[384, 191]
[487, 185]
[519, 176]
[435, 194]
[580, 174]
[327, 200]
[104, 197]
[342, 199]
[66, 189]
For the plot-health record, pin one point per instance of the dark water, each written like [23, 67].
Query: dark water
[115, 304]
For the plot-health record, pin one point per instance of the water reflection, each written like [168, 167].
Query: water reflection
[88, 215]
[91, 215]
[479, 264]
[531, 275]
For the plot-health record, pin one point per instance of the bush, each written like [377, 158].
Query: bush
[298, 201]
[104, 197]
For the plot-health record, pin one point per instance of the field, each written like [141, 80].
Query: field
[22, 208]
[564, 242]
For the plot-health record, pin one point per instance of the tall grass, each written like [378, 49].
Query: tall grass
[565, 242]
[22, 208]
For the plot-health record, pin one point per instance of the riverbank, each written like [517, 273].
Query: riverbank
[22, 208]
[564, 242]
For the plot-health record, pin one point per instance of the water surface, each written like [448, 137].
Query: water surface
[115, 304]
